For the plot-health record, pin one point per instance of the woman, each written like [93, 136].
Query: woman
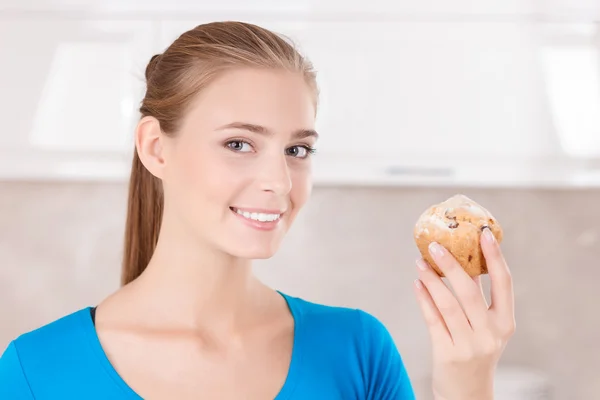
[221, 169]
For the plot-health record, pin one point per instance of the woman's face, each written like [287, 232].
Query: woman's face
[239, 169]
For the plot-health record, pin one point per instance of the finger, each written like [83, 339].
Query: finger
[445, 302]
[467, 291]
[502, 294]
[433, 319]
[477, 280]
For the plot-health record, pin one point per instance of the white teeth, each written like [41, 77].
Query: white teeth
[259, 216]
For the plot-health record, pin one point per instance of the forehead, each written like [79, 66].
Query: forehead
[280, 100]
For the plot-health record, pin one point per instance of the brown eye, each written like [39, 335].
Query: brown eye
[299, 151]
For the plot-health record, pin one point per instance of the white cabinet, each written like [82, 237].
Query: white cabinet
[437, 102]
[410, 90]
[570, 10]
[570, 57]
[407, 86]
[70, 90]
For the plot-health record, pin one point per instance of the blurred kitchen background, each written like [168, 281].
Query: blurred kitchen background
[495, 99]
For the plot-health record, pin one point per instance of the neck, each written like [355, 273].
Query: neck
[194, 285]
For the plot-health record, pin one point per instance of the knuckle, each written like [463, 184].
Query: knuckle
[473, 295]
[491, 347]
[463, 355]
[509, 329]
[449, 309]
[433, 321]
[482, 349]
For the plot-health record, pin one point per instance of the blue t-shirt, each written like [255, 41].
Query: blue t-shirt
[338, 353]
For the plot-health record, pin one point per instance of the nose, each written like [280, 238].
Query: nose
[275, 175]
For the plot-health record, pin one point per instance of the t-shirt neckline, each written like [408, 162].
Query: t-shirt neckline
[285, 393]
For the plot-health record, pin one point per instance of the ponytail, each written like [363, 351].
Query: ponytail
[144, 216]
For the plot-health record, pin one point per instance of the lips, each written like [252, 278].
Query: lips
[260, 219]
[254, 215]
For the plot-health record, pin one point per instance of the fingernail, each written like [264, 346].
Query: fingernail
[422, 265]
[418, 284]
[488, 235]
[436, 250]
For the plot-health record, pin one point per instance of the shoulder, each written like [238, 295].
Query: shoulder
[36, 353]
[56, 336]
[353, 322]
[361, 340]
[13, 382]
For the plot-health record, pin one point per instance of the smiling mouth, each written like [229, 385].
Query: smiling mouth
[253, 215]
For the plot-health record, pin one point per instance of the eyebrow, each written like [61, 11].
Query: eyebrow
[298, 134]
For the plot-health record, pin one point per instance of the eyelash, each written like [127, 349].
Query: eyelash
[309, 149]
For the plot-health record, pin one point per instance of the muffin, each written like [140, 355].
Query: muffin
[456, 224]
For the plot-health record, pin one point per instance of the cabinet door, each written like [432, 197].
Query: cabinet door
[571, 67]
[71, 87]
[450, 90]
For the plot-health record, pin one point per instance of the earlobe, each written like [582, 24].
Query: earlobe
[149, 145]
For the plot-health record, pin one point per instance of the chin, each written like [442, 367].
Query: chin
[251, 247]
[257, 253]
[260, 256]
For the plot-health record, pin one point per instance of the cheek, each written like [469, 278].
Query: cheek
[206, 178]
[301, 188]
[189, 177]
[190, 168]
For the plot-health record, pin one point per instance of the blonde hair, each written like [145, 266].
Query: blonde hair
[174, 79]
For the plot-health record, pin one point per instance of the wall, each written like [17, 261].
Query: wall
[60, 250]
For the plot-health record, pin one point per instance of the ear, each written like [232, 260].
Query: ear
[149, 145]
